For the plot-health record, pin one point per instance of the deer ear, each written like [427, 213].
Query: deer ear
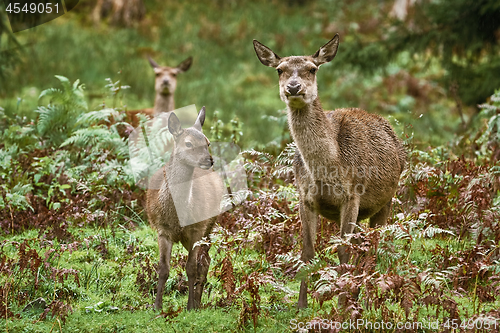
[174, 125]
[200, 120]
[184, 66]
[327, 52]
[266, 55]
[152, 62]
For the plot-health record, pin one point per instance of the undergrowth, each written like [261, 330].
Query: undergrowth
[76, 251]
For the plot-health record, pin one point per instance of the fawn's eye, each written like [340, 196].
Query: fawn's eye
[189, 145]
[280, 71]
[313, 70]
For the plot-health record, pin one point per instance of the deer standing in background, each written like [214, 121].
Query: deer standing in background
[180, 194]
[348, 162]
[165, 85]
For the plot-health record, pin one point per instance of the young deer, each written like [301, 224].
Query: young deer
[348, 162]
[165, 84]
[181, 193]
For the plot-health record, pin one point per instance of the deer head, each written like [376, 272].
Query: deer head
[297, 75]
[166, 77]
[191, 145]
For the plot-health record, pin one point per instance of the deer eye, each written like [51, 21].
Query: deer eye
[313, 70]
[157, 74]
[280, 71]
[189, 145]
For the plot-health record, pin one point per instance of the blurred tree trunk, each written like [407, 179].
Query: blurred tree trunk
[120, 12]
[10, 50]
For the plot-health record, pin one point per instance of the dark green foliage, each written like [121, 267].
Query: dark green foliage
[67, 166]
[57, 121]
[462, 34]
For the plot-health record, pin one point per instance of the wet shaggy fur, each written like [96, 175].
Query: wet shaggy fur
[348, 162]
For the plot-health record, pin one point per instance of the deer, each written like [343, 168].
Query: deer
[347, 163]
[183, 201]
[165, 85]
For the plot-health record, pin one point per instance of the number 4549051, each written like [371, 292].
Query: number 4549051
[478, 323]
[41, 8]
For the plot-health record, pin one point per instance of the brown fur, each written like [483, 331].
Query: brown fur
[165, 85]
[348, 162]
[203, 195]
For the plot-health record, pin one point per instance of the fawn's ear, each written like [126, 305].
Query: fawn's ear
[266, 55]
[153, 63]
[200, 120]
[184, 66]
[327, 52]
[174, 125]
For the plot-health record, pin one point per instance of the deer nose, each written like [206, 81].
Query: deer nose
[165, 81]
[208, 160]
[293, 88]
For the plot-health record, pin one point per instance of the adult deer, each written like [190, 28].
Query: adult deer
[165, 85]
[183, 201]
[348, 162]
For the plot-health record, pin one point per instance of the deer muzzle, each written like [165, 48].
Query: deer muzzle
[207, 163]
[293, 88]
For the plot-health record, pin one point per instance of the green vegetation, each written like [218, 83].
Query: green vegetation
[381, 77]
[74, 234]
[73, 227]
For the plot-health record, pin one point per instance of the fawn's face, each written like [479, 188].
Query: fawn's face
[297, 75]
[191, 145]
[166, 77]
[191, 148]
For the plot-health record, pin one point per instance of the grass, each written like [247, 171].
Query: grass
[100, 273]
[108, 299]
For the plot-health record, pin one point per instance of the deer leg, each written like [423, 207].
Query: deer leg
[165, 247]
[203, 264]
[380, 218]
[191, 270]
[309, 221]
[348, 219]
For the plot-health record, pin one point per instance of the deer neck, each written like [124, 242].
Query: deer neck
[178, 172]
[315, 136]
[180, 180]
[164, 103]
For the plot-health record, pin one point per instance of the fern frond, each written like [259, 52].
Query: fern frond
[94, 117]
[285, 158]
[431, 231]
[326, 282]
[52, 93]
[87, 137]
[58, 119]
[260, 156]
